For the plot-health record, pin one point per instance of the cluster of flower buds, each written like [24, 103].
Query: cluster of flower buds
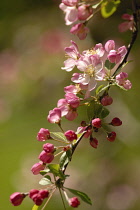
[37, 196]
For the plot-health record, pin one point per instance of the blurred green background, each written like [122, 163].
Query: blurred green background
[32, 40]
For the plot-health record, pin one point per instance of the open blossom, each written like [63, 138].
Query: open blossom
[68, 106]
[71, 13]
[91, 66]
[80, 30]
[73, 54]
[122, 80]
[128, 24]
[115, 56]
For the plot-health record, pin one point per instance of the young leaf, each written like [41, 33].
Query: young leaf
[64, 159]
[43, 172]
[91, 109]
[109, 7]
[35, 207]
[55, 169]
[109, 65]
[82, 195]
[60, 136]
[104, 113]
[45, 181]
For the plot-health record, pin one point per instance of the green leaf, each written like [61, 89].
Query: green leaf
[43, 172]
[109, 65]
[35, 207]
[104, 113]
[91, 109]
[45, 181]
[96, 5]
[82, 195]
[109, 7]
[60, 136]
[55, 169]
[64, 159]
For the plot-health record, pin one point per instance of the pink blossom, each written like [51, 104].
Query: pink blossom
[37, 167]
[43, 134]
[49, 148]
[110, 45]
[128, 24]
[91, 66]
[73, 54]
[80, 30]
[99, 49]
[72, 89]
[54, 115]
[74, 202]
[71, 13]
[70, 3]
[122, 81]
[84, 11]
[46, 157]
[116, 56]
[17, 198]
[68, 106]
[70, 135]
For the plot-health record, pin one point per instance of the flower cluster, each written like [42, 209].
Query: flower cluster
[95, 72]
[81, 11]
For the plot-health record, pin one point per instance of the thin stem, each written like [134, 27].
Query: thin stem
[62, 198]
[48, 199]
[59, 153]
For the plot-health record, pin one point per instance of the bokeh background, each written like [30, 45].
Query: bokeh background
[32, 40]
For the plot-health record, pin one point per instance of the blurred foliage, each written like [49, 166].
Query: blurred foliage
[32, 41]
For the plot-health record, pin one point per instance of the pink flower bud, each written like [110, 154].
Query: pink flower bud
[72, 100]
[109, 45]
[84, 11]
[111, 136]
[37, 199]
[70, 3]
[33, 192]
[17, 198]
[80, 30]
[37, 167]
[44, 193]
[46, 157]
[74, 202]
[70, 135]
[94, 142]
[49, 148]
[43, 134]
[96, 122]
[54, 115]
[116, 122]
[106, 100]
